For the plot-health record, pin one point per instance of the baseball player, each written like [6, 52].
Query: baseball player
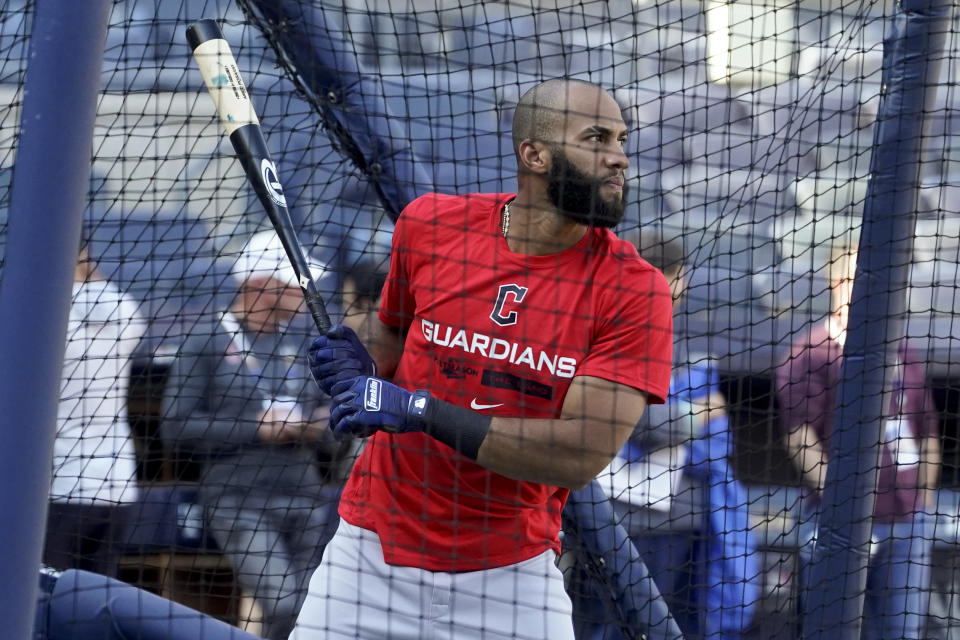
[522, 341]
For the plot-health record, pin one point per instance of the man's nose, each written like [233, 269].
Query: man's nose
[617, 157]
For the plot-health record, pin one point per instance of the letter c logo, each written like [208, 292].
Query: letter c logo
[508, 296]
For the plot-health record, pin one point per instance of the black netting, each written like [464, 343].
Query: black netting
[193, 458]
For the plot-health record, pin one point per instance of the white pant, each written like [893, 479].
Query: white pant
[355, 594]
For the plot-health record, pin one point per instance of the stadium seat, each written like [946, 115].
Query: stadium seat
[683, 54]
[645, 206]
[168, 519]
[786, 130]
[704, 107]
[159, 261]
[455, 129]
[705, 198]
[168, 551]
[774, 109]
[785, 292]
[651, 145]
[127, 48]
[933, 289]
[941, 132]
[491, 37]
[725, 150]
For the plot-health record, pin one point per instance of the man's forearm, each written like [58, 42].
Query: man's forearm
[814, 469]
[384, 344]
[550, 451]
[929, 473]
[807, 455]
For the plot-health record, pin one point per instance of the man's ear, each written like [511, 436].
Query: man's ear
[535, 157]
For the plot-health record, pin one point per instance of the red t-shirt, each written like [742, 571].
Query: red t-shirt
[502, 333]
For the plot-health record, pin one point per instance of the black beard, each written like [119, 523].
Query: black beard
[577, 196]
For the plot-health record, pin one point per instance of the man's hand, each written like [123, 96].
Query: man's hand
[280, 425]
[276, 427]
[339, 356]
[368, 404]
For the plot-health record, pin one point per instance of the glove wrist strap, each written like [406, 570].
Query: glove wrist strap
[460, 429]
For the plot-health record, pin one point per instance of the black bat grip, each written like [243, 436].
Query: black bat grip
[201, 31]
[254, 156]
[317, 309]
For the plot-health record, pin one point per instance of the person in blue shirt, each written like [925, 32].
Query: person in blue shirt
[674, 492]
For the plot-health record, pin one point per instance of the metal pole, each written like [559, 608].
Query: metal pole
[50, 184]
[838, 573]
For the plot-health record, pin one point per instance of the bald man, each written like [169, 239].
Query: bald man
[517, 343]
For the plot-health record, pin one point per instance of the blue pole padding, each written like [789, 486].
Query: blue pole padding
[640, 605]
[912, 51]
[355, 111]
[50, 183]
[89, 605]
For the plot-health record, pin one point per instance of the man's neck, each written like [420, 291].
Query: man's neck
[84, 271]
[538, 229]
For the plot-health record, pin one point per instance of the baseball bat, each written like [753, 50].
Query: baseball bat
[222, 77]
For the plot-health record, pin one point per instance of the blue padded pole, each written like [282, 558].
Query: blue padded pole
[89, 605]
[912, 51]
[50, 183]
[355, 112]
[639, 603]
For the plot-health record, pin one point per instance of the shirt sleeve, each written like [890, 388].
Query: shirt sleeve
[801, 392]
[205, 410]
[397, 304]
[635, 342]
[919, 403]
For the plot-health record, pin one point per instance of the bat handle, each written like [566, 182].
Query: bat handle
[317, 309]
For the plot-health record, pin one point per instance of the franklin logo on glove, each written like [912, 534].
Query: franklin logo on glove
[372, 395]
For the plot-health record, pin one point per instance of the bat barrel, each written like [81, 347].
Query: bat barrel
[203, 30]
[261, 172]
[222, 77]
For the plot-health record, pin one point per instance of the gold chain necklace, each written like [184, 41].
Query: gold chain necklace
[505, 220]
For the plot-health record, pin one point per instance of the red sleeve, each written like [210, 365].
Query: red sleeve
[635, 342]
[397, 304]
[801, 392]
[930, 419]
[919, 403]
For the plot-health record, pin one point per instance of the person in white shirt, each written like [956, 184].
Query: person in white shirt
[94, 463]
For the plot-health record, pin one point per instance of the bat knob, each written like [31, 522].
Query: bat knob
[203, 30]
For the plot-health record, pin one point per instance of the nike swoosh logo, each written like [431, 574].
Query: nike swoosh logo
[480, 407]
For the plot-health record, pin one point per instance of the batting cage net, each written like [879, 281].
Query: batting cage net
[789, 167]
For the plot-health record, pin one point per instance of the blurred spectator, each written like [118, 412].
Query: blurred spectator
[674, 491]
[239, 397]
[898, 577]
[94, 462]
[362, 284]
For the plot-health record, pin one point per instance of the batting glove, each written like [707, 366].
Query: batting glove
[338, 356]
[369, 404]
